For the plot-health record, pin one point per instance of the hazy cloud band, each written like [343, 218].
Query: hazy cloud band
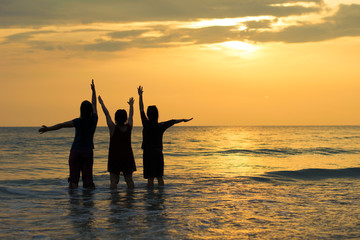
[344, 22]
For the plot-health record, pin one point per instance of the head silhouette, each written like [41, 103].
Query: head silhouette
[152, 113]
[120, 117]
[85, 109]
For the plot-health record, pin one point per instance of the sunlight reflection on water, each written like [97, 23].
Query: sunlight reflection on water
[221, 183]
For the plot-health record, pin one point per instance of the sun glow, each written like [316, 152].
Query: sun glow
[236, 47]
[296, 4]
[225, 21]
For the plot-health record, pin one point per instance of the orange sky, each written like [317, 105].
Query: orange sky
[250, 63]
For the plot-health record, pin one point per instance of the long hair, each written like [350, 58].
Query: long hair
[152, 113]
[120, 117]
[86, 109]
[85, 116]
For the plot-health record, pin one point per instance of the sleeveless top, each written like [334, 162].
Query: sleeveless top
[121, 157]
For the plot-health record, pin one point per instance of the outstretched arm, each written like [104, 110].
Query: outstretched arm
[141, 105]
[176, 121]
[109, 121]
[93, 98]
[56, 127]
[172, 122]
[131, 111]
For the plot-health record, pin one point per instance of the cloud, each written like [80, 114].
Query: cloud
[126, 34]
[167, 38]
[53, 12]
[119, 37]
[25, 36]
[259, 24]
[209, 35]
[108, 46]
[343, 24]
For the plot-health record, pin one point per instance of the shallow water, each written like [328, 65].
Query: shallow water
[221, 182]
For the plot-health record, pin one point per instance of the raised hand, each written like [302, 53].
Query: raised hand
[100, 100]
[93, 97]
[131, 101]
[141, 103]
[92, 85]
[186, 120]
[140, 90]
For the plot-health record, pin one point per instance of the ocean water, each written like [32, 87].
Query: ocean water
[221, 183]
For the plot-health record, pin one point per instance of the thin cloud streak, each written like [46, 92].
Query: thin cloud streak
[38, 13]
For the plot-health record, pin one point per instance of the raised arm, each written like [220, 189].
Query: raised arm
[131, 111]
[58, 126]
[93, 98]
[141, 105]
[109, 121]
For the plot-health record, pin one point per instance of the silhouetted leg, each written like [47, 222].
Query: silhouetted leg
[73, 185]
[129, 181]
[74, 167]
[87, 170]
[150, 182]
[114, 180]
[161, 181]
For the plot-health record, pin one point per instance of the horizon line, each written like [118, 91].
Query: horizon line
[260, 125]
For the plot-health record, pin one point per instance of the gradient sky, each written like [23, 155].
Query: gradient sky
[223, 62]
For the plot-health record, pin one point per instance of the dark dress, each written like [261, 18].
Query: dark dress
[153, 158]
[121, 157]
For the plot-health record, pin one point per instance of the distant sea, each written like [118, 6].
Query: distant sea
[221, 183]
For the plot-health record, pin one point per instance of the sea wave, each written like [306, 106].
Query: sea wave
[314, 173]
[13, 191]
[289, 151]
[23, 192]
[260, 152]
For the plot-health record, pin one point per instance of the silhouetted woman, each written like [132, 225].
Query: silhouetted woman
[121, 157]
[81, 157]
[152, 144]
